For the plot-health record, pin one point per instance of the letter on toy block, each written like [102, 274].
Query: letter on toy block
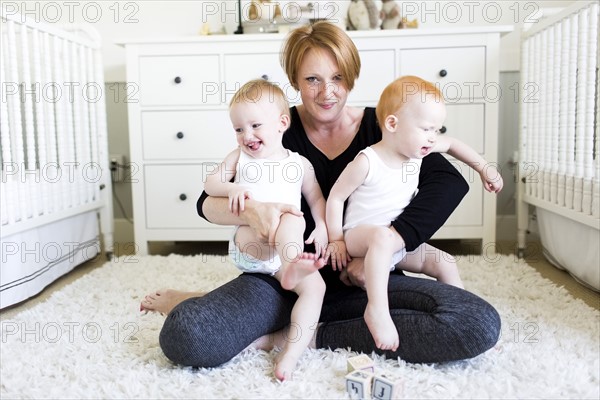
[386, 388]
[361, 363]
[358, 385]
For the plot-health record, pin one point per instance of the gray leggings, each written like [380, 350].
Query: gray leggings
[436, 322]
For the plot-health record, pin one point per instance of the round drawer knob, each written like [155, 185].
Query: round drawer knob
[177, 79]
[179, 135]
[443, 129]
[182, 197]
[265, 77]
[443, 73]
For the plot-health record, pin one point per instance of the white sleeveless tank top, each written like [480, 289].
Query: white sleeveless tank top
[277, 181]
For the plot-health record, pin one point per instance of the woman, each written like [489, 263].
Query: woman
[435, 322]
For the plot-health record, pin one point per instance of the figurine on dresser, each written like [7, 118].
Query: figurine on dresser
[263, 10]
[362, 15]
[390, 15]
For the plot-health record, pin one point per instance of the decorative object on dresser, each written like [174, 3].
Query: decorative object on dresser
[240, 27]
[362, 15]
[179, 127]
[391, 17]
[390, 14]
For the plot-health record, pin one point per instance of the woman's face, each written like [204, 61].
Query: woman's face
[322, 86]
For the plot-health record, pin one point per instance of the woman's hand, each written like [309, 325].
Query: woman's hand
[354, 273]
[264, 218]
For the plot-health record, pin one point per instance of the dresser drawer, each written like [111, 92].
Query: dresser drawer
[187, 135]
[171, 195]
[240, 68]
[466, 123]
[463, 69]
[179, 80]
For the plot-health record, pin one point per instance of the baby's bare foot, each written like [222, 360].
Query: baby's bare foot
[164, 300]
[294, 272]
[279, 339]
[285, 363]
[268, 342]
[382, 328]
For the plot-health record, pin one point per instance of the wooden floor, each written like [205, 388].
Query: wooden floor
[456, 247]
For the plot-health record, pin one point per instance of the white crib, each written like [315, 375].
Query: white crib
[55, 178]
[559, 169]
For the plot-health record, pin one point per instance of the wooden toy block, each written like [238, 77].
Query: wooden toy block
[361, 363]
[358, 385]
[386, 387]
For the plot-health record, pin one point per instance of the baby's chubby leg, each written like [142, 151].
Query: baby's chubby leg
[303, 324]
[249, 244]
[295, 264]
[377, 244]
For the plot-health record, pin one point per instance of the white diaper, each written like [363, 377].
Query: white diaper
[247, 263]
[397, 257]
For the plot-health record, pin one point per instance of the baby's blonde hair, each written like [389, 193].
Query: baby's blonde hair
[254, 90]
[397, 93]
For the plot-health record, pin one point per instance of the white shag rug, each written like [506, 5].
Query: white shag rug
[88, 340]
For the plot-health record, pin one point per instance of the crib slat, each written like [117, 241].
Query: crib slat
[535, 126]
[78, 128]
[563, 99]
[40, 128]
[590, 67]
[29, 166]
[555, 106]
[94, 160]
[545, 116]
[15, 123]
[61, 125]
[580, 113]
[572, 86]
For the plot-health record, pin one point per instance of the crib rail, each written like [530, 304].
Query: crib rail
[52, 126]
[559, 166]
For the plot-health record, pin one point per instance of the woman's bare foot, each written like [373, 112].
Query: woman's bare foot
[164, 300]
[294, 272]
[382, 328]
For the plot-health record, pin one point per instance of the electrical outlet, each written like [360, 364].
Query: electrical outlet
[116, 165]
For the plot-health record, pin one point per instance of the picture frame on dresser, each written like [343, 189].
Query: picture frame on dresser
[179, 126]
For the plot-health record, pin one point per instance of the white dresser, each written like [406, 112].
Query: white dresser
[178, 90]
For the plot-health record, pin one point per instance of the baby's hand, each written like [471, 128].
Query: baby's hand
[339, 256]
[492, 180]
[319, 238]
[237, 197]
